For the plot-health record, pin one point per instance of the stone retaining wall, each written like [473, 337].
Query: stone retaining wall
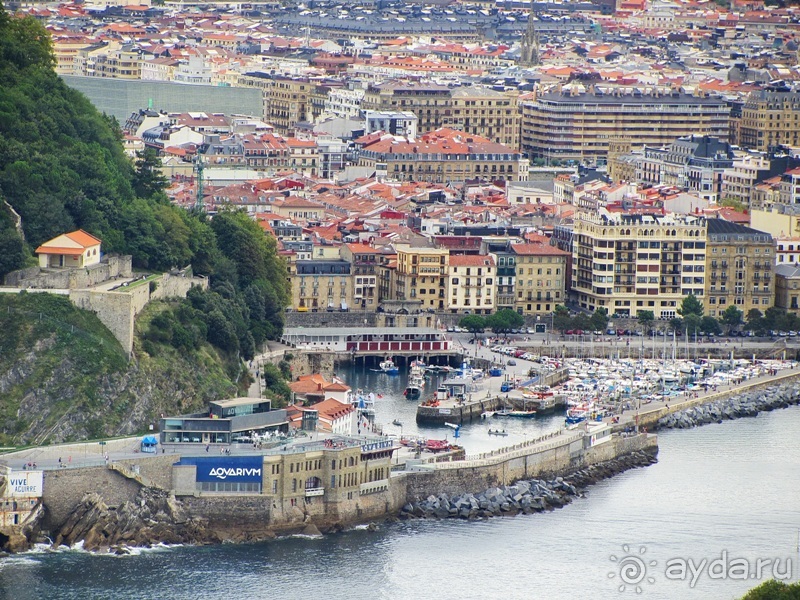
[65, 488]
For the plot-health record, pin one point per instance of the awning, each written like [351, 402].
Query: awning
[149, 440]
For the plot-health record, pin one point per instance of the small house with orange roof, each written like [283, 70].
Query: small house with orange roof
[76, 249]
[311, 389]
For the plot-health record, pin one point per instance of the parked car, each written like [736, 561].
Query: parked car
[512, 363]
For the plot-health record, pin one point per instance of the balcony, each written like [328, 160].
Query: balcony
[311, 492]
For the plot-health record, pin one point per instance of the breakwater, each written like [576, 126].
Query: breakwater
[525, 496]
[746, 404]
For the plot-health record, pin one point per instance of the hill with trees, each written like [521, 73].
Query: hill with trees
[62, 167]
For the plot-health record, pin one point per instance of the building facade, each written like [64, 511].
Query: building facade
[628, 263]
[739, 268]
[770, 119]
[578, 126]
[472, 282]
[422, 274]
[540, 278]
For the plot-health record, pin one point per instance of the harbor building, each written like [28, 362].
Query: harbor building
[370, 341]
[629, 262]
[577, 125]
[225, 421]
[739, 268]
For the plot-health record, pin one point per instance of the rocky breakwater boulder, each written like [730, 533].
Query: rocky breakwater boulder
[524, 496]
[154, 517]
[747, 404]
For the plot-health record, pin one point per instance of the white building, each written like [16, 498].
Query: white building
[471, 284]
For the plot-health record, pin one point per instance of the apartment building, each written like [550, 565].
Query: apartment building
[578, 125]
[364, 261]
[787, 288]
[770, 119]
[540, 278]
[428, 101]
[739, 180]
[321, 284]
[422, 274]
[629, 262]
[474, 110]
[472, 284]
[442, 156]
[739, 268]
[484, 112]
[287, 103]
[694, 163]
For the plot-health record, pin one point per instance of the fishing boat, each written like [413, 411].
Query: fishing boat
[437, 445]
[519, 414]
[416, 381]
[387, 366]
[413, 391]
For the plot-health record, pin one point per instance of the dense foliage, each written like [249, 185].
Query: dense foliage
[774, 590]
[62, 167]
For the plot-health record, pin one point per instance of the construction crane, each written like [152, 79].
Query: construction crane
[198, 168]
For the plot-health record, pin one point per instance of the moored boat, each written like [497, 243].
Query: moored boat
[388, 367]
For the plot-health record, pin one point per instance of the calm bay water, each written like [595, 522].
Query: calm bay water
[732, 487]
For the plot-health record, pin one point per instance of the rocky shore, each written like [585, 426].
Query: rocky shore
[526, 496]
[156, 517]
[748, 404]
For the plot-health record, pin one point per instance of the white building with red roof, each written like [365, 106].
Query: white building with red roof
[75, 249]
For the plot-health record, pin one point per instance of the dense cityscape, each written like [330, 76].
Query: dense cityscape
[227, 227]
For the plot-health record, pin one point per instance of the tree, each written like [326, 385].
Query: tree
[709, 324]
[561, 319]
[690, 305]
[676, 324]
[774, 590]
[148, 180]
[475, 324]
[504, 321]
[599, 319]
[731, 317]
[645, 318]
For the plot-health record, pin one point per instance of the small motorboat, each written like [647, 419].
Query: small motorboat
[413, 391]
[388, 367]
[397, 423]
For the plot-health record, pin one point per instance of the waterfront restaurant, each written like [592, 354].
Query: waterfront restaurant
[369, 340]
[226, 421]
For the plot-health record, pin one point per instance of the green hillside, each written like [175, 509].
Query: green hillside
[64, 377]
[62, 167]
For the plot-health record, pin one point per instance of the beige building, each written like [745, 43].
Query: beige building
[422, 275]
[578, 125]
[485, 112]
[472, 283]
[325, 475]
[364, 261]
[540, 278]
[787, 288]
[739, 268]
[428, 101]
[627, 263]
[441, 156]
[321, 285]
[76, 249]
[770, 119]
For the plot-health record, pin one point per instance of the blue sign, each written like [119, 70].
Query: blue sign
[234, 469]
